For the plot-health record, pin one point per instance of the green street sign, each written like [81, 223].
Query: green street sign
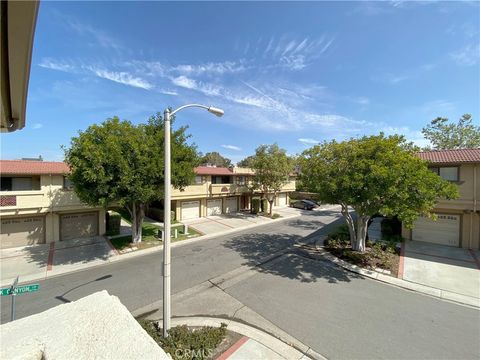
[21, 289]
[5, 291]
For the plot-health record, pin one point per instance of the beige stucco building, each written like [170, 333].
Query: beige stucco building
[458, 222]
[38, 206]
[218, 190]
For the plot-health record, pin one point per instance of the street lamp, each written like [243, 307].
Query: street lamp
[166, 214]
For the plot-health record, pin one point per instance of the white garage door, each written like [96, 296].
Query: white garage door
[231, 205]
[214, 207]
[78, 225]
[190, 210]
[22, 231]
[445, 231]
[282, 199]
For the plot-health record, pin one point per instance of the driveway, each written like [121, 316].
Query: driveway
[442, 267]
[44, 260]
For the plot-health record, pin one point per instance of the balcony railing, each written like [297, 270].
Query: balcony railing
[22, 199]
[219, 189]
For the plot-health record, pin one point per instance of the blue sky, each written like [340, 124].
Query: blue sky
[291, 73]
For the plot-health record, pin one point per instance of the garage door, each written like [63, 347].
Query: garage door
[214, 207]
[231, 205]
[78, 225]
[282, 199]
[22, 231]
[444, 231]
[190, 210]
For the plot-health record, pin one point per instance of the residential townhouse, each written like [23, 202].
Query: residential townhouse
[458, 222]
[220, 190]
[38, 205]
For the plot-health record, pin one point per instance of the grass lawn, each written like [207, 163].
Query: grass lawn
[149, 234]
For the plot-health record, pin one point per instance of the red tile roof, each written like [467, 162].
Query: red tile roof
[26, 167]
[451, 156]
[209, 170]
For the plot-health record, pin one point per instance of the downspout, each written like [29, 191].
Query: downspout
[474, 212]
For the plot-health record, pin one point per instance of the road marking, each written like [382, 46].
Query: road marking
[50, 257]
[233, 348]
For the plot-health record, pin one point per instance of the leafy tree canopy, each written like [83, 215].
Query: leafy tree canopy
[247, 162]
[272, 167]
[445, 135]
[214, 158]
[117, 162]
[373, 175]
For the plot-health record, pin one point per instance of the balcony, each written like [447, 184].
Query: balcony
[192, 190]
[34, 199]
[227, 189]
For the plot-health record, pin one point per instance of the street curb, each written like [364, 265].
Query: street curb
[283, 349]
[423, 289]
[154, 249]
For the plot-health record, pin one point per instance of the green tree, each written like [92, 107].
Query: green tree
[272, 167]
[117, 162]
[444, 135]
[247, 162]
[214, 158]
[373, 175]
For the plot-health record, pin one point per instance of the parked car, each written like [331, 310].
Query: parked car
[303, 204]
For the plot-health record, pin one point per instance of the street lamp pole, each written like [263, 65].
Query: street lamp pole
[167, 209]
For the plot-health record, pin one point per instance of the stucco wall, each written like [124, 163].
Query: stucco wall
[98, 326]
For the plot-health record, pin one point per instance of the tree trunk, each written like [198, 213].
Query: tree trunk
[271, 207]
[350, 223]
[138, 213]
[362, 227]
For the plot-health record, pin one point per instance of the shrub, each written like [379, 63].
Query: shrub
[340, 234]
[184, 343]
[157, 214]
[113, 223]
[275, 216]
[390, 227]
[264, 205]
[255, 206]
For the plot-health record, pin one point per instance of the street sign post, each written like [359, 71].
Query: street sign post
[15, 290]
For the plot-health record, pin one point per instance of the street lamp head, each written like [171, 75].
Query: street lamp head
[216, 111]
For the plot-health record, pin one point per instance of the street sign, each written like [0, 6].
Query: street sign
[21, 289]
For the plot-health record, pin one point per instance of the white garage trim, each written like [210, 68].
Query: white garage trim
[22, 231]
[445, 230]
[214, 207]
[231, 205]
[78, 225]
[190, 210]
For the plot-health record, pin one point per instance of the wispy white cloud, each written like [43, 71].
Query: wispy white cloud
[49, 63]
[362, 100]
[218, 68]
[232, 147]
[123, 78]
[468, 55]
[37, 126]
[308, 141]
[87, 30]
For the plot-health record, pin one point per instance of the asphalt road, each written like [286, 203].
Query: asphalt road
[338, 314]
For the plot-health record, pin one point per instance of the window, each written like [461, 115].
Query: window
[221, 180]
[198, 180]
[67, 184]
[20, 183]
[450, 173]
[241, 180]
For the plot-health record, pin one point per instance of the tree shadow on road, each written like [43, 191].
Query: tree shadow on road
[276, 254]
